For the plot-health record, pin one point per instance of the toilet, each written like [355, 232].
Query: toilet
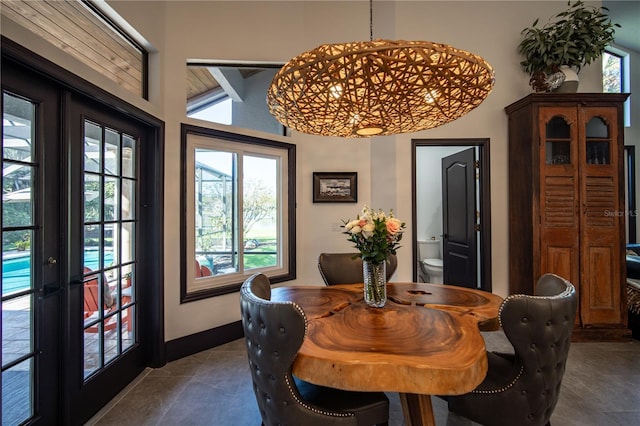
[430, 261]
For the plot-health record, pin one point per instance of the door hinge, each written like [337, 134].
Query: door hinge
[477, 227]
[476, 164]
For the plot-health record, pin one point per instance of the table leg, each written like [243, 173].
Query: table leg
[417, 409]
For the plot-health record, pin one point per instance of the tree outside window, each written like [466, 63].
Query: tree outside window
[611, 73]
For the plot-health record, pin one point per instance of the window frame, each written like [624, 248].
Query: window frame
[624, 80]
[193, 137]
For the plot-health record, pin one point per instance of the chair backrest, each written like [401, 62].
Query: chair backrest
[201, 270]
[274, 332]
[346, 268]
[91, 297]
[539, 328]
[205, 271]
[91, 292]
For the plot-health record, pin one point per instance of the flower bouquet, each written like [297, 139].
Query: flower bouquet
[376, 235]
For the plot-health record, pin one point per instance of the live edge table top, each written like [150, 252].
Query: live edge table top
[425, 340]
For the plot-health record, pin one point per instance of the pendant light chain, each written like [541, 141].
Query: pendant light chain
[370, 20]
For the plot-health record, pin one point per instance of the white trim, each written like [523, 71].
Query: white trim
[241, 150]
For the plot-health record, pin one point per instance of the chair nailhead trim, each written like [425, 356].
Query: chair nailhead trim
[502, 389]
[254, 299]
[570, 289]
[310, 408]
[293, 394]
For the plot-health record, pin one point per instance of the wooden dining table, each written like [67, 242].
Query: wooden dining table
[425, 341]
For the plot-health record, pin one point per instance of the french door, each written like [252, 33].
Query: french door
[31, 274]
[79, 231]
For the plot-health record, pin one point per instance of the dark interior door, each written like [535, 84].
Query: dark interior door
[459, 241]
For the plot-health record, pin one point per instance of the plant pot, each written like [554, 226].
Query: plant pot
[541, 82]
[571, 80]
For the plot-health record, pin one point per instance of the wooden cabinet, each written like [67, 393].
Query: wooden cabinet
[566, 202]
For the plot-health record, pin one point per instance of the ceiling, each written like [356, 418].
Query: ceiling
[209, 80]
[626, 13]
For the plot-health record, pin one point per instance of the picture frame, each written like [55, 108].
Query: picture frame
[335, 187]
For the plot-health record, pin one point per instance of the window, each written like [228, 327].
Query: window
[612, 73]
[218, 111]
[614, 78]
[232, 95]
[238, 199]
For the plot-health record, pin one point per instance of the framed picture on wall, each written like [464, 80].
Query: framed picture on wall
[335, 187]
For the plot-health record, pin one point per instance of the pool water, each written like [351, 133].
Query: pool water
[16, 271]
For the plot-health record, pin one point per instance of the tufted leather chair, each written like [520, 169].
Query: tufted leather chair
[274, 332]
[522, 388]
[346, 268]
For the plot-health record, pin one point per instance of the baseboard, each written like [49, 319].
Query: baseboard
[194, 343]
[604, 334]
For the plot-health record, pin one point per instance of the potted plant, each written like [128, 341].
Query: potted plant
[572, 39]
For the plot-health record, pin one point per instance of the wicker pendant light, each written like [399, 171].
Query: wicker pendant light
[379, 87]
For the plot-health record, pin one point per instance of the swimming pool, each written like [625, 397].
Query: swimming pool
[16, 270]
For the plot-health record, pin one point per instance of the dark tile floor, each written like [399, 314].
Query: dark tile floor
[601, 387]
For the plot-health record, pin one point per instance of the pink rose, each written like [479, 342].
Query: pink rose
[393, 226]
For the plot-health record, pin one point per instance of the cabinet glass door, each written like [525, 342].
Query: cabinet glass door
[558, 141]
[598, 142]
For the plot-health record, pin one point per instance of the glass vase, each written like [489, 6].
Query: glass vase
[375, 283]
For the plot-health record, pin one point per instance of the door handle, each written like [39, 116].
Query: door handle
[76, 280]
[49, 290]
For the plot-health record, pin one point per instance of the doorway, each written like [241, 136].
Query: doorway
[82, 236]
[429, 205]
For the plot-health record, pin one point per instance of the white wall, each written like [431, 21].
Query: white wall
[276, 31]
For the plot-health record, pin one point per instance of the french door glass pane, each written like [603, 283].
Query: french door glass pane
[17, 328]
[17, 124]
[17, 392]
[16, 261]
[128, 156]
[111, 239]
[92, 204]
[111, 198]
[127, 199]
[109, 246]
[111, 152]
[16, 194]
[19, 172]
[128, 242]
[92, 147]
